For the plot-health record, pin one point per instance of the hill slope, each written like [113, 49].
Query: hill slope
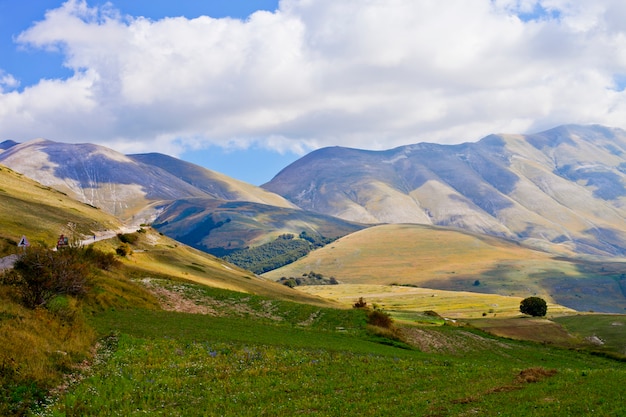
[124, 185]
[41, 213]
[216, 185]
[217, 226]
[96, 175]
[563, 190]
[445, 259]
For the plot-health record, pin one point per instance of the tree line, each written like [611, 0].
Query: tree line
[285, 249]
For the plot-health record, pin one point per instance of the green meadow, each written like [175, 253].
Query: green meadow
[310, 360]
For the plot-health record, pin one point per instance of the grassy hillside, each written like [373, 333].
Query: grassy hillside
[451, 260]
[41, 213]
[42, 345]
[266, 355]
[302, 359]
[156, 256]
[170, 330]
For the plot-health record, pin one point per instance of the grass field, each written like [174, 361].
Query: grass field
[319, 361]
[399, 299]
[605, 332]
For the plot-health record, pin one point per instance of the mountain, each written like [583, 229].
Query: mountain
[184, 200]
[562, 190]
[96, 175]
[125, 184]
[6, 145]
[214, 184]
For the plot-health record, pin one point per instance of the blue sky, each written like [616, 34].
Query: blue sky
[32, 64]
[245, 87]
[254, 165]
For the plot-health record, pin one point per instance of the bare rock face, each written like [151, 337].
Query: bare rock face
[562, 190]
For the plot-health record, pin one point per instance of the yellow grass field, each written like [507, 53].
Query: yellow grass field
[449, 304]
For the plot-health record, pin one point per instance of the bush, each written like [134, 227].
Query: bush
[123, 249]
[128, 237]
[42, 274]
[102, 260]
[360, 303]
[380, 319]
[533, 306]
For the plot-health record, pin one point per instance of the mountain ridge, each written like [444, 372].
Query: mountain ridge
[560, 190]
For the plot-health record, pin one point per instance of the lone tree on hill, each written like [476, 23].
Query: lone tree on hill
[534, 306]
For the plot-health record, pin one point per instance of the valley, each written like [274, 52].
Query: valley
[445, 256]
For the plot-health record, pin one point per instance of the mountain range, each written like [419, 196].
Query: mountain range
[561, 191]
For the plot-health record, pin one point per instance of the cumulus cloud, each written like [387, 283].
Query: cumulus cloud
[364, 73]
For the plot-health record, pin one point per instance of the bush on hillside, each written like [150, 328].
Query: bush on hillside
[43, 274]
[310, 278]
[123, 249]
[39, 274]
[380, 318]
[102, 260]
[130, 238]
[533, 306]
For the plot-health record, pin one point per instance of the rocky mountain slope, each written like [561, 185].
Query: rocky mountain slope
[96, 175]
[200, 207]
[123, 184]
[561, 190]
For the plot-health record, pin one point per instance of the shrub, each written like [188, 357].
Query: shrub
[360, 303]
[102, 260]
[380, 318]
[128, 237]
[123, 249]
[533, 306]
[42, 274]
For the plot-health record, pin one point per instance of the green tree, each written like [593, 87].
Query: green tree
[534, 306]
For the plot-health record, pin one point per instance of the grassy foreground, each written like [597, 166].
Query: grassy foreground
[269, 350]
[302, 359]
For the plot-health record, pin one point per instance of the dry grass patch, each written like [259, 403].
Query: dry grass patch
[451, 304]
[526, 328]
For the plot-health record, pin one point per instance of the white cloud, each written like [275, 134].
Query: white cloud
[364, 73]
[7, 82]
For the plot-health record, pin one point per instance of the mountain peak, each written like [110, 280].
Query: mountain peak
[563, 189]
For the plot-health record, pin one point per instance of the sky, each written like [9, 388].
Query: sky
[245, 87]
